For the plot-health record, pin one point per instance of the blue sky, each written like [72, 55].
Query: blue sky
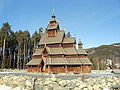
[95, 22]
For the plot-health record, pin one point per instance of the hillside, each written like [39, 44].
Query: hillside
[99, 55]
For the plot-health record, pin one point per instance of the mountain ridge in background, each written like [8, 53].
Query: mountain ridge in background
[99, 55]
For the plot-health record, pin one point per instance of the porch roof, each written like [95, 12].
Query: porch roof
[34, 62]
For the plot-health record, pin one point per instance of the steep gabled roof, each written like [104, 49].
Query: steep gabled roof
[85, 61]
[34, 62]
[56, 61]
[58, 50]
[52, 40]
[53, 27]
[73, 61]
[38, 51]
[67, 40]
[69, 51]
[81, 51]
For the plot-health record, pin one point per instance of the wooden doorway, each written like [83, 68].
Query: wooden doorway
[42, 66]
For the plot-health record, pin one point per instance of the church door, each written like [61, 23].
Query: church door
[42, 66]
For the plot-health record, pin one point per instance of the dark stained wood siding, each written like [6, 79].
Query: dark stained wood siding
[71, 56]
[68, 45]
[56, 56]
[51, 33]
[74, 68]
[54, 45]
[57, 69]
[86, 69]
[82, 56]
[41, 46]
[34, 68]
[61, 69]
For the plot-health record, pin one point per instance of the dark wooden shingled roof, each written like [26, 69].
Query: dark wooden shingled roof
[73, 61]
[52, 40]
[56, 61]
[81, 51]
[69, 51]
[34, 62]
[38, 51]
[60, 50]
[53, 27]
[61, 61]
[85, 61]
[53, 51]
[67, 40]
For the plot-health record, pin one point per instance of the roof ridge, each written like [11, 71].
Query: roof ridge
[63, 50]
[65, 60]
[47, 48]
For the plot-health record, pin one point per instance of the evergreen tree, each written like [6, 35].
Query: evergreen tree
[4, 33]
[35, 39]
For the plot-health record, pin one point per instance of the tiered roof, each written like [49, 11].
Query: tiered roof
[52, 40]
[59, 38]
[60, 50]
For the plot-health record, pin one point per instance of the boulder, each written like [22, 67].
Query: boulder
[38, 87]
[71, 85]
[28, 83]
[47, 82]
[4, 87]
[47, 88]
[54, 79]
[62, 83]
[58, 88]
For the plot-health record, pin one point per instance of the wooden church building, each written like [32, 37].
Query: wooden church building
[58, 53]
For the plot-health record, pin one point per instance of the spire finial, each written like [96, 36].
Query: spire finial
[80, 44]
[53, 11]
[79, 40]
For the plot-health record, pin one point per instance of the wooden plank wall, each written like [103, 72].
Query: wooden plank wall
[62, 69]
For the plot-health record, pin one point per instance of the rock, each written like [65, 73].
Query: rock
[77, 84]
[71, 85]
[109, 84]
[47, 82]
[95, 87]
[47, 88]
[90, 87]
[106, 89]
[18, 88]
[28, 83]
[58, 88]
[54, 84]
[86, 89]
[54, 79]
[76, 88]
[38, 87]
[4, 87]
[62, 83]
[82, 85]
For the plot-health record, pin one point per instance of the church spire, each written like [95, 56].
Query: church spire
[53, 24]
[53, 16]
[80, 44]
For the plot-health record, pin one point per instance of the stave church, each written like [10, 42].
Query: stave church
[57, 53]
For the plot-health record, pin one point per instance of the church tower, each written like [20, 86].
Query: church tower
[53, 26]
[80, 44]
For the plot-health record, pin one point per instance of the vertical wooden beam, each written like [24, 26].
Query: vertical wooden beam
[66, 68]
[49, 69]
[82, 68]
